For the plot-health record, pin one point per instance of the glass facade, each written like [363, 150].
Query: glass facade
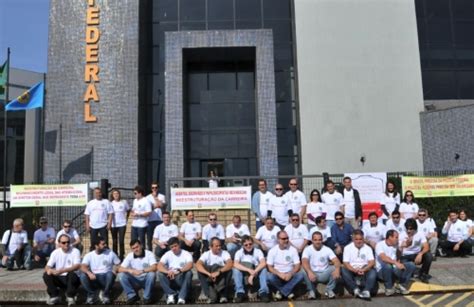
[446, 39]
[234, 79]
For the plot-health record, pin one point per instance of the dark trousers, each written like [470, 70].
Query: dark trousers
[464, 249]
[99, 233]
[70, 283]
[425, 261]
[195, 248]
[149, 233]
[215, 290]
[139, 233]
[118, 241]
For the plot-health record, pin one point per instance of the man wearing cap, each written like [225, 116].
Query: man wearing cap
[43, 241]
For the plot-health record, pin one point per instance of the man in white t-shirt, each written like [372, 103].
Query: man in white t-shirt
[72, 233]
[352, 204]
[60, 272]
[266, 236]
[190, 235]
[325, 231]
[333, 202]
[298, 233]
[98, 217]
[457, 234]
[211, 230]
[428, 227]
[283, 264]
[214, 272]
[163, 233]
[99, 269]
[141, 210]
[43, 241]
[15, 247]
[175, 273]
[296, 199]
[388, 265]
[321, 265]
[158, 202]
[374, 232]
[358, 272]
[280, 208]
[396, 222]
[261, 203]
[414, 248]
[234, 233]
[138, 269]
[250, 264]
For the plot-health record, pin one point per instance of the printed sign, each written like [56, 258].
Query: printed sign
[423, 187]
[48, 195]
[206, 198]
[370, 187]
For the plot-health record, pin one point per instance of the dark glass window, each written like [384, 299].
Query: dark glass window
[220, 10]
[248, 9]
[165, 10]
[192, 10]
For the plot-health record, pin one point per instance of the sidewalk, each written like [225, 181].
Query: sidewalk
[449, 274]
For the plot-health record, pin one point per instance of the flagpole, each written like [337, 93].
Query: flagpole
[5, 143]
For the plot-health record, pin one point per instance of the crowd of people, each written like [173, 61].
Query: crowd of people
[334, 247]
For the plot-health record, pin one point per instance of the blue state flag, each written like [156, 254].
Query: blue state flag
[31, 99]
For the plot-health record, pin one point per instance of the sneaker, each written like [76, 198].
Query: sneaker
[291, 296]
[90, 300]
[277, 296]
[181, 301]
[53, 300]
[105, 300]
[365, 294]
[202, 297]
[170, 299]
[330, 294]
[424, 279]
[402, 290]
[265, 297]
[223, 300]
[389, 291]
[147, 301]
[132, 300]
[70, 301]
[357, 292]
[239, 298]
[441, 252]
[311, 295]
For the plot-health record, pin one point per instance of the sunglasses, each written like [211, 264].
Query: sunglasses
[293, 184]
[42, 223]
[154, 188]
[212, 220]
[66, 226]
[339, 218]
[278, 189]
[421, 214]
[248, 244]
[409, 195]
[295, 220]
[284, 238]
[64, 242]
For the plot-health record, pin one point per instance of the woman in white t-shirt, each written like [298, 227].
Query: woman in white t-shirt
[469, 226]
[314, 208]
[119, 222]
[390, 200]
[409, 208]
[213, 180]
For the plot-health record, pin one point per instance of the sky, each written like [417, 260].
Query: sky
[24, 28]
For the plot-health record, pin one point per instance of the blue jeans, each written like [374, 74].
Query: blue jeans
[387, 272]
[367, 281]
[232, 248]
[140, 234]
[146, 281]
[324, 277]
[104, 281]
[238, 277]
[181, 284]
[285, 287]
[21, 257]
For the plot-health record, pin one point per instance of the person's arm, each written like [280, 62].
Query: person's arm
[187, 267]
[227, 267]
[72, 268]
[307, 266]
[241, 267]
[161, 268]
[86, 216]
[303, 212]
[261, 265]
[358, 205]
[446, 227]
[369, 266]
[201, 268]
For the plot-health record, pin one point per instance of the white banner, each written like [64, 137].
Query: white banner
[43, 195]
[370, 185]
[211, 198]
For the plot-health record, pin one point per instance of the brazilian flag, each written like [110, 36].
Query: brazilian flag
[3, 80]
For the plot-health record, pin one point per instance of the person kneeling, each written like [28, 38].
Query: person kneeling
[457, 243]
[388, 265]
[250, 264]
[174, 271]
[214, 272]
[98, 271]
[138, 268]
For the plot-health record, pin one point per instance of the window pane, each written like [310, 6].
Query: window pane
[282, 32]
[465, 84]
[165, 10]
[276, 9]
[248, 9]
[220, 9]
[192, 10]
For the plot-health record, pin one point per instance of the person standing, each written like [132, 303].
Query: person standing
[15, 247]
[409, 208]
[296, 199]
[234, 233]
[60, 272]
[140, 212]
[428, 227]
[43, 241]
[280, 208]
[333, 202]
[119, 222]
[163, 233]
[158, 202]
[314, 208]
[352, 204]
[213, 180]
[390, 201]
[211, 230]
[190, 235]
[261, 203]
[98, 217]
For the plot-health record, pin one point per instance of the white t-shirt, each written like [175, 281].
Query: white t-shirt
[426, 227]
[264, 204]
[319, 260]
[267, 237]
[120, 213]
[332, 203]
[72, 234]
[297, 235]
[315, 209]
[212, 183]
[60, 260]
[16, 240]
[190, 230]
[156, 214]
[139, 263]
[326, 232]
[296, 200]
[210, 259]
[390, 203]
[176, 262]
[283, 260]
[457, 231]
[230, 230]
[409, 210]
[416, 245]
[209, 232]
[141, 206]
[101, 263]
[357, 258]
[41, 236]
[468, 224]
[98, 212]
[254, 258]
[279, 207]
[383, 248]
[349, 204]
[399, 228]
[374, 234]
[163, 233]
